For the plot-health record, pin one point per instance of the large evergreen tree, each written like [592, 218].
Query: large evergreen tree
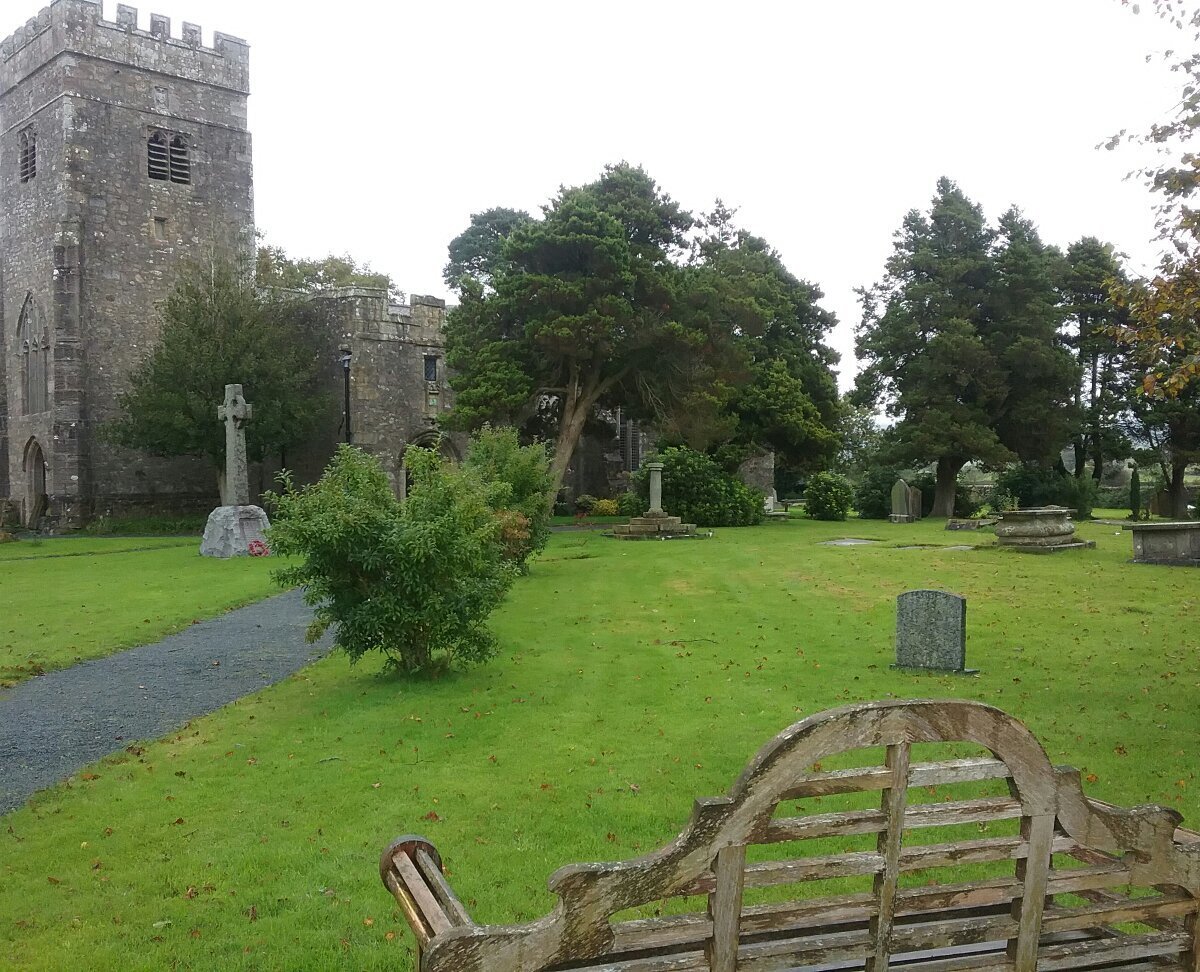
[219, 329]
[582, 310]
[611, 299]
[781, 393]
[1102, 393]
[960, 343]
[920, 338]
[1021, 327]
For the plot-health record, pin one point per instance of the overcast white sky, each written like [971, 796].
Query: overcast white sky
[380, 126]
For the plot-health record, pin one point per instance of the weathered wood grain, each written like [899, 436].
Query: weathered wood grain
[1015, 923]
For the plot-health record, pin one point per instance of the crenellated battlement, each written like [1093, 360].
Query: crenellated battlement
[366, 311]
[78, 26]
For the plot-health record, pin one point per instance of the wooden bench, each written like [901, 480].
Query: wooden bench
[1036, 876]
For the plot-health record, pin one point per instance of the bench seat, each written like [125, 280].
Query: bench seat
[1069, 883]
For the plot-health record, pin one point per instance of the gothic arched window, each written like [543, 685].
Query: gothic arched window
[27, 154]
[34, 348]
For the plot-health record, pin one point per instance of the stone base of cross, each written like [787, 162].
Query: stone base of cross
[235, 531]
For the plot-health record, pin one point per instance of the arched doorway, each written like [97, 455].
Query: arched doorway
[33, 506]
[433, 439]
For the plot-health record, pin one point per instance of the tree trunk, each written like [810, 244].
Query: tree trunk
[577, 405]
[1177, 493]
[947, 481]
[1094, 414]
[1077, 439]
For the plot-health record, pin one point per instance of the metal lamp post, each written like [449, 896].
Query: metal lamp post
[345, 359]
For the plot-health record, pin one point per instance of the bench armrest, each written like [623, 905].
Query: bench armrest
[411, 868]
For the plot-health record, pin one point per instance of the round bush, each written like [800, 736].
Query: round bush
[828, 496]
[873, 496]
[698, 490]
[605, 507]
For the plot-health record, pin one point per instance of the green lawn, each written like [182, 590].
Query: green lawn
[635, 677]
[71, 599]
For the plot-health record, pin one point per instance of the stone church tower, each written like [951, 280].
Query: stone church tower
[124, 154]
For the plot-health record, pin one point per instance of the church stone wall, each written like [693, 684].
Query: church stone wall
[393, 406]
[99, 243]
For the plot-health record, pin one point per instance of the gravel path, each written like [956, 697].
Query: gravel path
[53, 725]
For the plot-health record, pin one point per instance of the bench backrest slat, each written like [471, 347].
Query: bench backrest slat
[875, 910]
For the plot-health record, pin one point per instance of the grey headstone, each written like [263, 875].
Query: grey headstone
[931, 631]
[914, 502]
[901, 503]
[231, 529]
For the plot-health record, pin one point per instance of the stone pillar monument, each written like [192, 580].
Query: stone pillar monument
[656, 509]
[655, 523]
[235, 530]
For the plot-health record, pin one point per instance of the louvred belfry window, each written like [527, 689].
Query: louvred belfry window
[27, 148]
[168, 158]
[158, 165]
[181, 164]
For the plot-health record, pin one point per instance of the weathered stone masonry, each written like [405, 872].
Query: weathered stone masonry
[92, 242]
[398, 382]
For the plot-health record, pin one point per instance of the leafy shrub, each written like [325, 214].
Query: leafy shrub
[1036, 485]
[499, 458]
[828, 496]
[415, 581]
[996, 500]
[584, 503]
[605, 507]
[630, 504]
[1135, 495]
[873, 495]
[698, 490]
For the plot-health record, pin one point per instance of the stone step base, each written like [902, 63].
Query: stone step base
[1047, 549]
[654, 528]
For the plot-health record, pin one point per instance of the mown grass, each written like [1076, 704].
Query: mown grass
[72, 599]
[635, 677]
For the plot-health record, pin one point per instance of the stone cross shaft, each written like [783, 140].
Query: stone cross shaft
[656, 469]
[235, 413]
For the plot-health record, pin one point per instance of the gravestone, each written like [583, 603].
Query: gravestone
[1160, 503]
[931, 632]
[914, 502]
[901, 498]
[234, 528]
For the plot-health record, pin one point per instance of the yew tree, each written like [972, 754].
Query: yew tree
[961, 345]
[920, 338]
[777, 389]
[578, 309]
[1102, 395]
